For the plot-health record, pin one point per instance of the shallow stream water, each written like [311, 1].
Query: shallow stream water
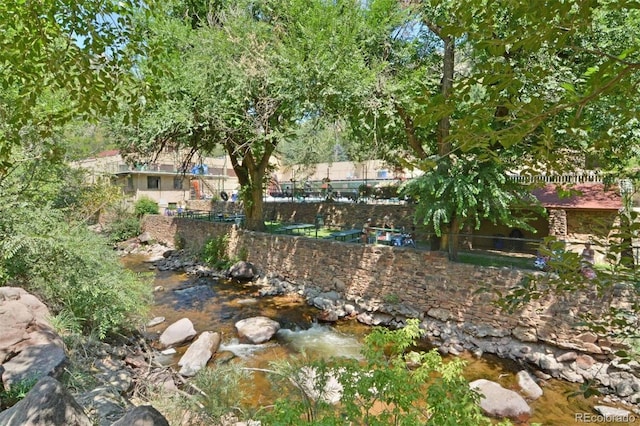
[217, 305]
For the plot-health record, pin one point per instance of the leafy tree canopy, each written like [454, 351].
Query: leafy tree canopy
[46, 247]
[63, 59]
[505, 86]
[249, 74]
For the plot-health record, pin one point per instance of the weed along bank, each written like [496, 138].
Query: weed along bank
[454, 301]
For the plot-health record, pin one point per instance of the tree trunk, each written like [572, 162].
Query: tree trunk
[444, 129]
[250, 180]
[454, 236]
[251, 176]
[446, 86]
[254, 207]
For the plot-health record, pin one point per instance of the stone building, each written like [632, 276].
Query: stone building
[588, 213]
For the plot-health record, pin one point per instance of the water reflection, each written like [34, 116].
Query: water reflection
[217, 304]
[193, 297]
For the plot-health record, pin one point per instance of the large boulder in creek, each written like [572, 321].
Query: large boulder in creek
[612, 414]
[144, 415]
[29, 347]
[46, 404]
[177, 333]
[529, 386]
[199, 353]
[257, 329]
[497, 401]
[243, 271]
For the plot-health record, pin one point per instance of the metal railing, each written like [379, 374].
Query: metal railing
[210, 216]
[585, 177]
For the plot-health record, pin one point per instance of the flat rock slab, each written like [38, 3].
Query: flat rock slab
[199, 353]
[46, 404]
[155, 321]
[177, 333]
[497, 401]
[257, 329]
[144, 415]
[528, 385]
[23, 323]
[34, 362]
[612, 414]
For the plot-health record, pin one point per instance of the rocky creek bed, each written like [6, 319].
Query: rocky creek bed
[121, 370]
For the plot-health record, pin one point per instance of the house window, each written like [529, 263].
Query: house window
[129, 186]
[177, 183]
[153, 182]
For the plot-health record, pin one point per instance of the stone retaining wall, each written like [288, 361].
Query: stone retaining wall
[574, 226]
[424, 281]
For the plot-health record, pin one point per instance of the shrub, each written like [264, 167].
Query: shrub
[124, 228]
[243, 254]
[390, 386]
[214, 252]
[72, 270]
[225, 389]
[17, 392]
[144, 206]
[179, 242]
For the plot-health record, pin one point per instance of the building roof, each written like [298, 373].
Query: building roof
[592, 196]
[109, 153]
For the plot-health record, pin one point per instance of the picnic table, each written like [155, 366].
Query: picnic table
[221, 217]
[347, 235]
[386, 235]
[194, 214]
[296, 228]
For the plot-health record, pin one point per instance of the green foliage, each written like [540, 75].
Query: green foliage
[214, 394]
[52, 254]
[616, 286]
[73, 271]
[243, 254]
[145, 205]
[86, 202]
[278, 65]
[224, 386]
[214, 252]
[316, 141]
[392, 385]
[15, 393]
[78, 376]
[61, 60]
[472, 191]
[537, 84]
[123, 228]
[391, 298]
[179, 242]
[85, 140]
[496, 260]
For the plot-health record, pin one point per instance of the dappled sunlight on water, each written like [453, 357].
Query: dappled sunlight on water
[216, 305]
[321, 341]
[553, 408]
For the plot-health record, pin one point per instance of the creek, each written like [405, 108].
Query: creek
[214, 305]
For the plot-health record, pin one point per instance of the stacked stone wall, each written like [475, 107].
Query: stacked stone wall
[427, 282]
